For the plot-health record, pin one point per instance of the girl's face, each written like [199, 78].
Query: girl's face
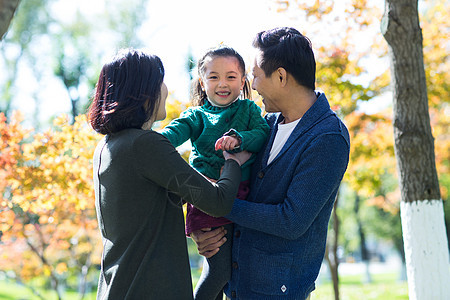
[223, 80]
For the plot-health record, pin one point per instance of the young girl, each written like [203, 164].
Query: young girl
[218, 121]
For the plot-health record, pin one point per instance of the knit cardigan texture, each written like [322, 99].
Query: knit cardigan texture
[280, 231]
[139, 180]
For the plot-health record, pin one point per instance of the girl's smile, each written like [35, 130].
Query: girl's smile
[223, 80]
[223, 94]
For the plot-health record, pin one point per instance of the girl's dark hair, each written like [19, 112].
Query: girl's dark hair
[198, 95]
[287, 48]
[124, 86]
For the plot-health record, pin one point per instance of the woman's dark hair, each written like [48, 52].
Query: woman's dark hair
[287, 48]
[198, 94]
[127, 92]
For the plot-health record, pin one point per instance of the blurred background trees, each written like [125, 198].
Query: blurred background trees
[47, 214]
[63, 47]
[48, 221]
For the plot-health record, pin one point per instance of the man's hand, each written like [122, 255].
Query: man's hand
[227, 143]
[208, 241]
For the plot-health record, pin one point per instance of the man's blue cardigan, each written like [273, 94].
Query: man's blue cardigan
[280, 230]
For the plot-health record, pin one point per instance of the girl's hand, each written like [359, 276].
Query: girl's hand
[227, 143]
[240, 157]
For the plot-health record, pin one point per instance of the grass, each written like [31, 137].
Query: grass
[384, 286]
[351, 287]
[10, 290]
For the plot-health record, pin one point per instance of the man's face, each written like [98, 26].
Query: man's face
[265, 86]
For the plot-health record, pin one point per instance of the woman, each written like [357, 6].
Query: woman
[140, 181]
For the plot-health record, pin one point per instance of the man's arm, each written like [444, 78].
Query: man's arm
[305, 196]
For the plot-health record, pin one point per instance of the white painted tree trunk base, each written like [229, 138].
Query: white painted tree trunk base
[426, 250]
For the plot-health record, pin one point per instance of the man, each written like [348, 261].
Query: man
[280, 230]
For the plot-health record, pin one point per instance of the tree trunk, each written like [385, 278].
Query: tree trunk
[424, 236]
[7, 9]
[365, 257]
[331, 255]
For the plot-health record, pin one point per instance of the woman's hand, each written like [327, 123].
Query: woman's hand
[208, 241]
[239, 157]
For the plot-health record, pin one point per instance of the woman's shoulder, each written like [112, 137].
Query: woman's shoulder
[134, 135]
[151, 142]
[150, 135]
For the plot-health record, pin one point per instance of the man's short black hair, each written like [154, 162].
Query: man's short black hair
[287, 48]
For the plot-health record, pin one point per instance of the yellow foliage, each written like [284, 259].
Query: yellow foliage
[47, 194]
[46, 271]
[61, 268]
[435, 30]
[174, 108]
[371, 151]
[316, 8]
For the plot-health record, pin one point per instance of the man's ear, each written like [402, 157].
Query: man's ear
[282, 76]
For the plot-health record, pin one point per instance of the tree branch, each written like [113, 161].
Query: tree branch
[7, 10]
